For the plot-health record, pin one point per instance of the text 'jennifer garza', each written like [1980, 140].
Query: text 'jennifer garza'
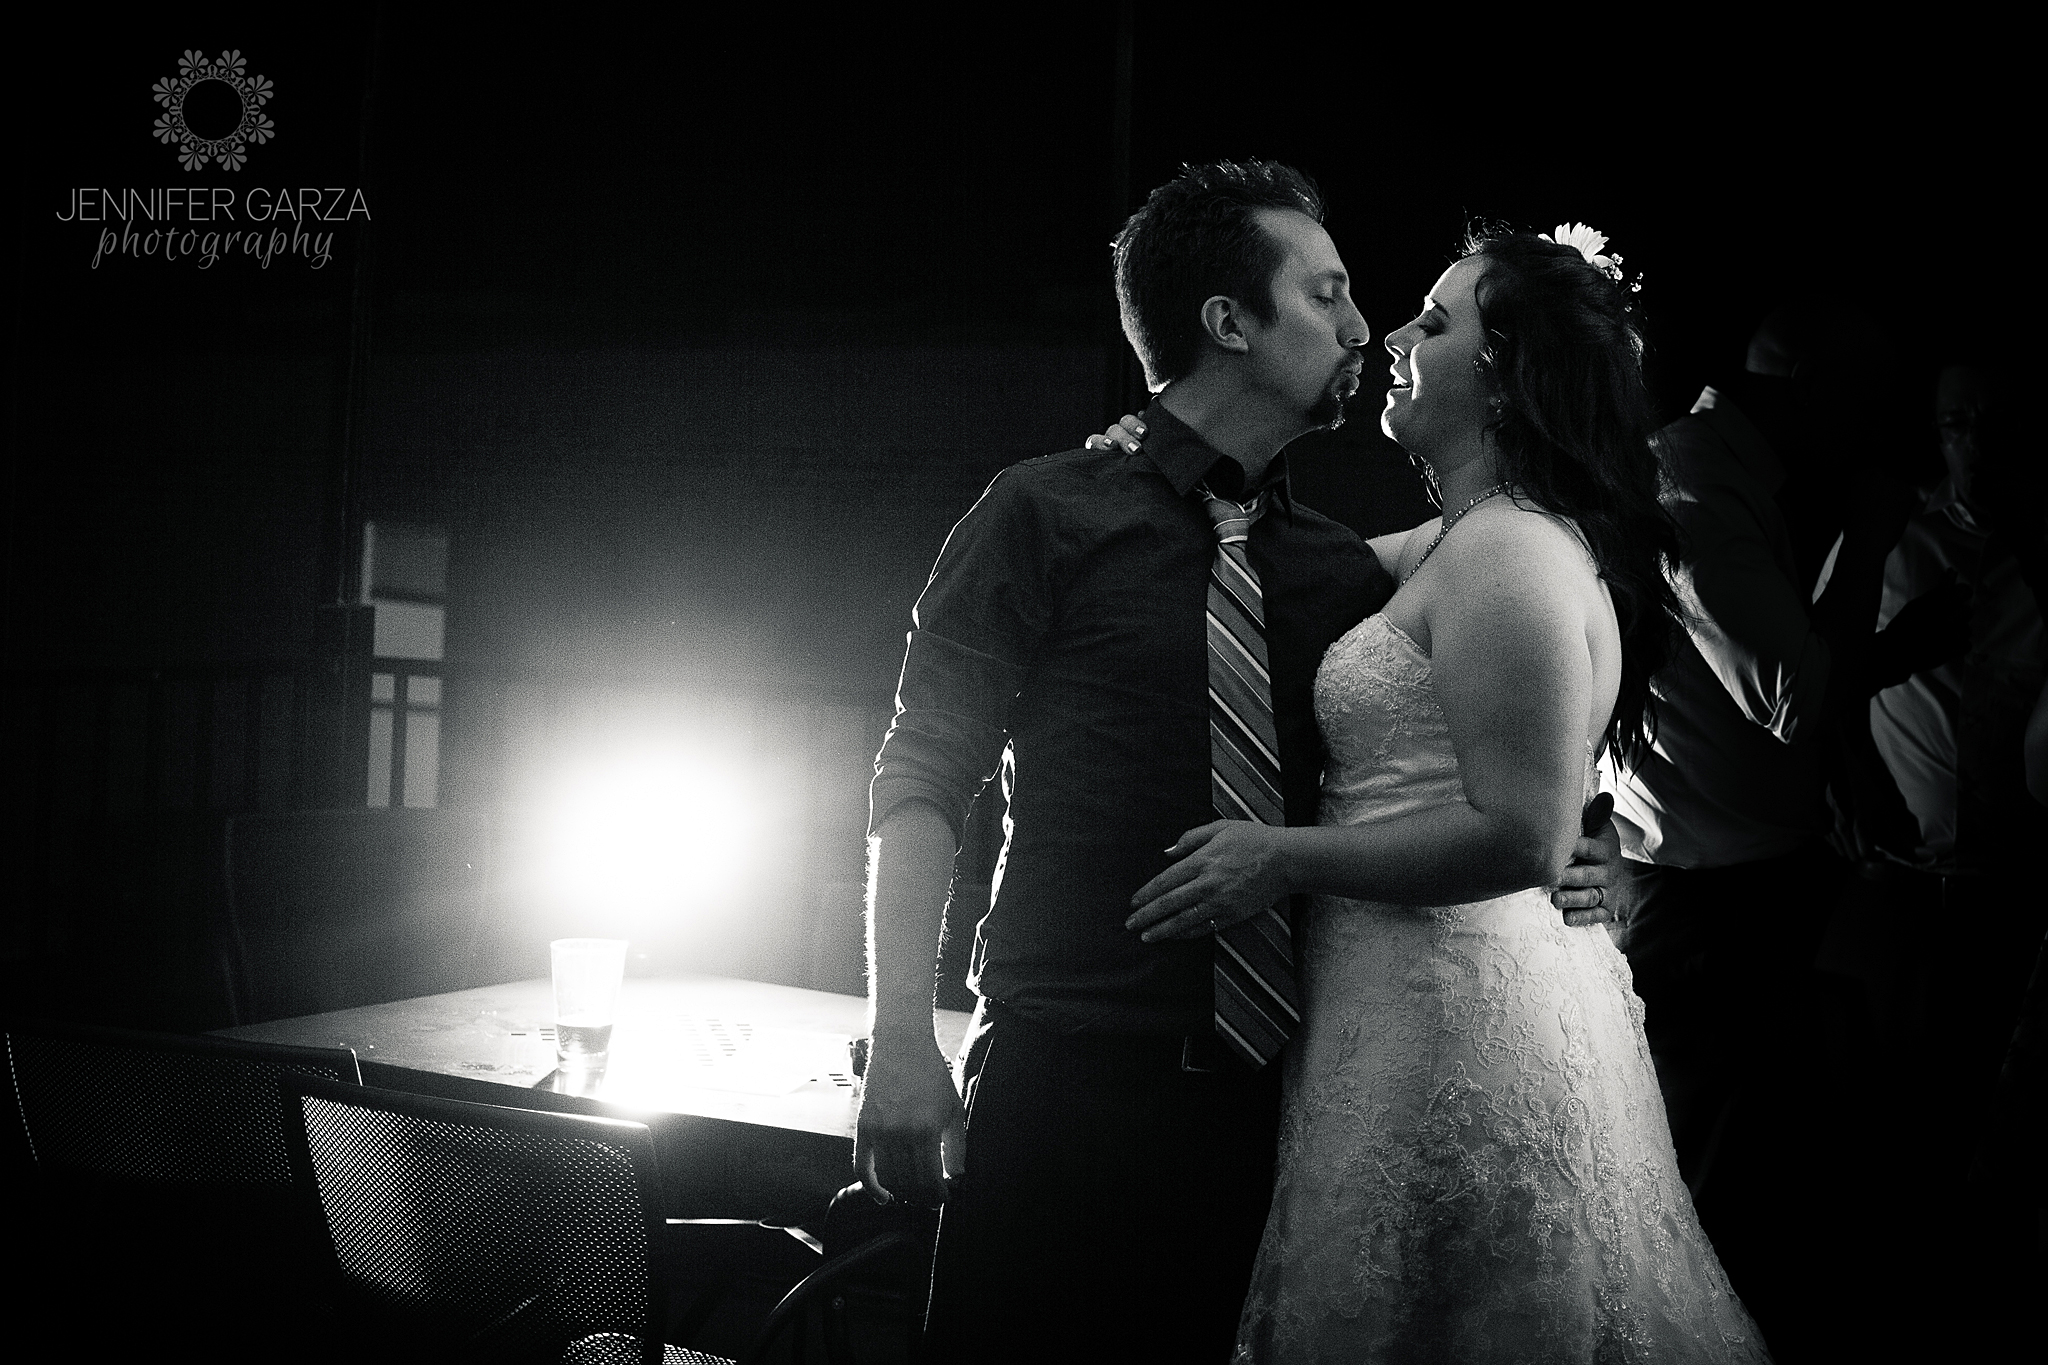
[159, 221]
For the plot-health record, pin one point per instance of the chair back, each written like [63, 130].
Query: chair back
[477, 1228]
[164, 1108]
[329, 910]
[156, 1194]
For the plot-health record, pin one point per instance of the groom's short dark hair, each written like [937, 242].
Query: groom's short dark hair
[1196, 237]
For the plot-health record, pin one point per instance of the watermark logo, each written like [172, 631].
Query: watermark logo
[213, 111]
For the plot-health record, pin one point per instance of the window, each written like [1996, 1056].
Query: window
[405, 578]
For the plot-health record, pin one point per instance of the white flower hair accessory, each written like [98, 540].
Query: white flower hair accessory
[1590, 243]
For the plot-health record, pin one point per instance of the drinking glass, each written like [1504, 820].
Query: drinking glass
[588, 973]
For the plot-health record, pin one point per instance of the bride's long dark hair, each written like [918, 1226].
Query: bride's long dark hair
[1572, 427]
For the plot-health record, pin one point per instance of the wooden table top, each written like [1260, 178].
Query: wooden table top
[709, 1062]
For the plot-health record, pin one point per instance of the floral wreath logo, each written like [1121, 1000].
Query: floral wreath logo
[231, 151]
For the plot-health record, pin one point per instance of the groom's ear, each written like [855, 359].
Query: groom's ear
[1223, 321]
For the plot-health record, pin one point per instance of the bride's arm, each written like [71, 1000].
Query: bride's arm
[1515, 679]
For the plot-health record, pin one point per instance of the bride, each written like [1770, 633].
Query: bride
[1474, 1160]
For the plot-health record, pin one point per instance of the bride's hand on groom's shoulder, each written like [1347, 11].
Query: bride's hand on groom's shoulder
[1128, 433]
[1228, 871]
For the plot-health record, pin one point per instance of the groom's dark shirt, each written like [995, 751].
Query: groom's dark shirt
[1062, 638]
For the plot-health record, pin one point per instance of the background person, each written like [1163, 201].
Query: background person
[1726, 821]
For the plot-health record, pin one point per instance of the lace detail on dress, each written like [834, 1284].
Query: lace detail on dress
[1390, 750]
[1474, 1163]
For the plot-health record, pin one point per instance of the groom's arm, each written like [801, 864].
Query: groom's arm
[982, 608]
[940, 751]
[912, 1132]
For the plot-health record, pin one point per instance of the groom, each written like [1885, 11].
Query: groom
[1107, 1178]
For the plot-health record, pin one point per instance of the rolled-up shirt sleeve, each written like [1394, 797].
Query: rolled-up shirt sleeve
[977, 625]
[1746, 615]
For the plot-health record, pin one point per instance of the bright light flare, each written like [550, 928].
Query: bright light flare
[638, 835]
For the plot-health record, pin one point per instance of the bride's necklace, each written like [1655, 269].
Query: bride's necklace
[1452, 520]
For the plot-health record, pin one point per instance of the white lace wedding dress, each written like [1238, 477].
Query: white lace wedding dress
[1474, 1161]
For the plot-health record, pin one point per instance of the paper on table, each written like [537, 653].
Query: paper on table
[725, 1054]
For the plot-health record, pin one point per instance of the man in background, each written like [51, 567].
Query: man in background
[1953, 735]
[1725, 822]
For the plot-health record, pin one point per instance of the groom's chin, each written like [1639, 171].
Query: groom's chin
[1329, 414]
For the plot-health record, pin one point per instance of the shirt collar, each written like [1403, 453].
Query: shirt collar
[1944, 500]
[1180, 454]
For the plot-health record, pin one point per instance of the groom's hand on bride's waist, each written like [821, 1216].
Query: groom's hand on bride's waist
[1592, 889]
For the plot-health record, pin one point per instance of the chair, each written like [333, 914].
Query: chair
[158, 1190]
[471, 1231]
[159, 1107]
[328, 910]
[878, 1313]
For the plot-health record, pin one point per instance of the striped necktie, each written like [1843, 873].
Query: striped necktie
[1258, 1004]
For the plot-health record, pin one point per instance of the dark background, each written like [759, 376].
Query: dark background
[846, 199]
[696, 337]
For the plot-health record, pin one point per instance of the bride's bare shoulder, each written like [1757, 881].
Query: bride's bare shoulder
[1512, 567]
[1522, 538]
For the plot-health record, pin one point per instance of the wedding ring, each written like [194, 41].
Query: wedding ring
[1599, 896]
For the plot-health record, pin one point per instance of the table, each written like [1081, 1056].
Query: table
[746, 1085]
